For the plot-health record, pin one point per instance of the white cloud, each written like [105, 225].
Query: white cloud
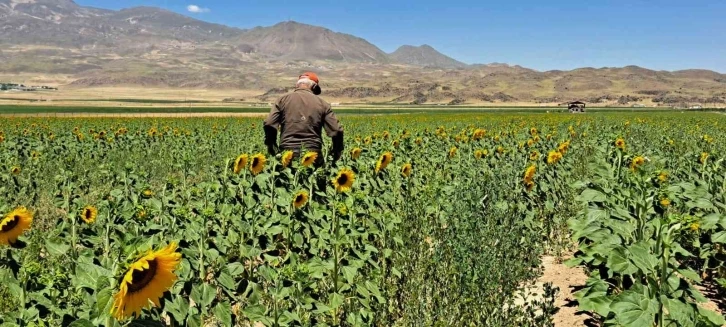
[197, 9]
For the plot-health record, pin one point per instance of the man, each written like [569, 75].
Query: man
[301, 116]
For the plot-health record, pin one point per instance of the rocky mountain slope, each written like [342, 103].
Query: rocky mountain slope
[425, 56]
[152, 47]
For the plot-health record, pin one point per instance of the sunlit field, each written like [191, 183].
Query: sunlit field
[427, 220]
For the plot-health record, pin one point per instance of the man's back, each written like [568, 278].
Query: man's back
[301, 116]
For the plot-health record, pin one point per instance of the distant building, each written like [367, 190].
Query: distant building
[575, 106]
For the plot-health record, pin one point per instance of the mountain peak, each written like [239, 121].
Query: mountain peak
[424, 55]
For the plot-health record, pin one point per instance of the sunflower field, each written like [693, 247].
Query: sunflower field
[427, 220]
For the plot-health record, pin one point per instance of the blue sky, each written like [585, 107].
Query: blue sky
[539, 34]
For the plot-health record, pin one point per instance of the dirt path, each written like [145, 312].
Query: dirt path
[566, 279]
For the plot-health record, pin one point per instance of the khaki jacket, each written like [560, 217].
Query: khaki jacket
[300, 117]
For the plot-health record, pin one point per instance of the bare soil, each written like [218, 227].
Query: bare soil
[567, 280]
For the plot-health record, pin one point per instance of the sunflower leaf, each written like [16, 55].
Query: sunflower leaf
[223, 312]
[81, 323]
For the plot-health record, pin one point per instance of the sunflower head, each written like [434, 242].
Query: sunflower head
[663, 176]
[147, 193]
[694, 227]
[452, 152]
[665, 202]
[386, 135]
[620, 144]
[534, 155]
[396, 143]
[553, 157]
[15, 170]
[343, 182]
[14, 224]
[368, 140]
[89, 214]
[530, 143]
[419, 141]
[529, 173]
[671, 142]
[478, 154]
[300, 199]
[383, 161]
[500, 149]
[406, 170]
[478, 134]
[309, 158]
[257, 163]
[637, 162]
[529, 185]
[355, 153]
[240, 163]
[703, 158]
[146, 281]
[286, 158]
[533, 131]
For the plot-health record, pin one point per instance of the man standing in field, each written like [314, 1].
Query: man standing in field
[301, 116]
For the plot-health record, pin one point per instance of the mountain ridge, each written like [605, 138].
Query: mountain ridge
[153, 47]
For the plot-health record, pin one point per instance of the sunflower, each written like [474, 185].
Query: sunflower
[620, 144]
[478, 154]
[553, 157]
[406, 170]
[257, 163]
[15, 170]
[529, 173]
[383, 161]
[671, 142]
[637, 162]
[396, 143]
[355, 153]
[419, 141]
[386, 135]
[529, 185]
[663, 176]
[533, 131]
[665, 202]
[452, 152]
[536, 138]
[89, 214]
[367, 140]
[534, 155]
[530, 143]
[286, 158]
[147, 193]
[694, 226]
[2, 138]
[564, 146]
[146, 280]
[300, 199]
[240, 163]
[500, 149]
[704, 156]
[344, 181]
[308, 159]
[14, 224]
[478, 134]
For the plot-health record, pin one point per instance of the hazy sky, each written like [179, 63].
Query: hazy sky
[540, 34]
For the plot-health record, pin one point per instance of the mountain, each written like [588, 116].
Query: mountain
[71, 46]
[425, 56]
[296, 41]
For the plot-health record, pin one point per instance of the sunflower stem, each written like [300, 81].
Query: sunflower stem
[335, 256]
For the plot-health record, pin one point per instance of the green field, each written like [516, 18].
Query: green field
[431, 218]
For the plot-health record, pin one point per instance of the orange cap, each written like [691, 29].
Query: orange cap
[311, 76]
